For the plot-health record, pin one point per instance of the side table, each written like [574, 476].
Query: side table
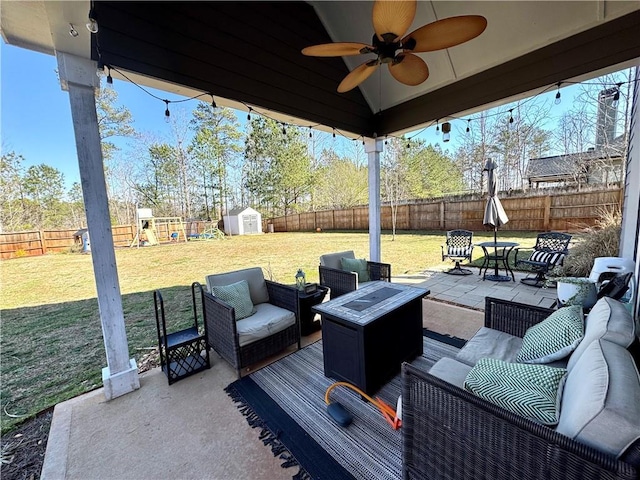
[308, 321]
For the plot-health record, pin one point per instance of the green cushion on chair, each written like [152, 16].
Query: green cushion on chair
[236, 295]
[357, 265]
[532, 391]
[554, 338]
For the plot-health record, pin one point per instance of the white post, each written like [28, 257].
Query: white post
[78, 77]
[373, 147]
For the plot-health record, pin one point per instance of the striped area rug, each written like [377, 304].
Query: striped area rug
[286, 400]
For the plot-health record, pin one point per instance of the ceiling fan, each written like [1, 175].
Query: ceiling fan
[391, 19]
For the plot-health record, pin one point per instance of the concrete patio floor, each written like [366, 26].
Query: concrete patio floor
[193, 430]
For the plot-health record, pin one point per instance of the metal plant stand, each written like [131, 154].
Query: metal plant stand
[184, 352]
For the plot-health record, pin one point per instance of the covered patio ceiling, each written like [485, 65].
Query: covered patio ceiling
[248, 53]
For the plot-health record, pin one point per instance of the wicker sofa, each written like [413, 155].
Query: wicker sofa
[448, 433]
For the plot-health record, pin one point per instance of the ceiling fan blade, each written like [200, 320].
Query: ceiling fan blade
[409, 69]
[357, 76]
[445, 33]
[341, 49]
[393, 17]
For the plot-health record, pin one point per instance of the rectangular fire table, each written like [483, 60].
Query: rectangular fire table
[368, 333]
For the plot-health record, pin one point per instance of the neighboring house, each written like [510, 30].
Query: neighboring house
[603, 165]
[242, 221]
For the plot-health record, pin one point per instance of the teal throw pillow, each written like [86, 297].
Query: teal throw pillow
[532, 391]
[554, 338]
[237, 296]
[357, 265]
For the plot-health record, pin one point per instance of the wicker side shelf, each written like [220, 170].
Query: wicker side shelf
[184, 352]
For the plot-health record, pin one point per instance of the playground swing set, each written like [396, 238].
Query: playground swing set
[152, 230]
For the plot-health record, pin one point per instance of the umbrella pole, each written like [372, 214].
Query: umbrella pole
[495, 247]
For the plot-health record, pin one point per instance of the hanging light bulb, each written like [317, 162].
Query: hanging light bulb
[363, 140]
[109, 77]
[92, 25]
[334, 133]
[446, 130]
[213, 102]
[437, 128]
[249, 114]
[510, 116]
[557, 100]
[284, 130]
[468, 125]
[72, 31]
[310, 132]
[616, 96]
[408, 144]
[167, 113]
[386, 142]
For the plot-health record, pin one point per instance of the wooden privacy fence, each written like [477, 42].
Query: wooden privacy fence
[39, 242]
[567, 212]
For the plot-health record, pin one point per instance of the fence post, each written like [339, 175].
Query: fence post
[442, 226]
[43, 242]
[547, 213]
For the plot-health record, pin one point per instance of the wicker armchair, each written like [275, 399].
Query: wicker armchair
[340, 281]
[223, 330]
[549, 251]
[448, 433]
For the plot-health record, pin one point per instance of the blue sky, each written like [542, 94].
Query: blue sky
[36, 115]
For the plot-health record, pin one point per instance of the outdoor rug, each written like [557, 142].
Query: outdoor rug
[286, 401]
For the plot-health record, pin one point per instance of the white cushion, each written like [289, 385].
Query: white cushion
[267, 320]
[601, 399]
[609, 320]
[490, 343]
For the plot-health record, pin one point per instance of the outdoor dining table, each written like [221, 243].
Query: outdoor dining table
[501, 251]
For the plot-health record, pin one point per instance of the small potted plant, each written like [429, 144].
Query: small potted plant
[572, 277]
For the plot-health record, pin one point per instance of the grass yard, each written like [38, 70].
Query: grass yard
[51, 342]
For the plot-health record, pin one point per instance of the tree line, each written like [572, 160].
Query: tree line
[211, 162]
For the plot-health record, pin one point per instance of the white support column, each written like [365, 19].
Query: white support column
[78, 77]
[373, 147]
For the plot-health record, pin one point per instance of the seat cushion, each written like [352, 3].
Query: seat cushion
[490, 343]
[267, 320]
[601, 399]
[451, 371]
[357, 265]
[554, 338]
[532, 391]
[237, 296]
[610, 320]
[253, 276]
[333, 260]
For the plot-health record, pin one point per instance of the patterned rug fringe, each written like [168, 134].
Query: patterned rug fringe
[268, 438]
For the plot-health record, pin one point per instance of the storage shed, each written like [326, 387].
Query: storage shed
[242, 221]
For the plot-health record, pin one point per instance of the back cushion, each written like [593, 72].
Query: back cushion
[601, 399]
[333, 260]
[253, 276]
[610, 320]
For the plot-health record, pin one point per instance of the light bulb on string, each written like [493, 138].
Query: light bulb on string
[437, 128]
[310, 133]
[616, 96]
[284, 130]
[446, 131]
[558, 100]
[334, 133]
[468, 125]
[109, 77]
[72, 31]
[510, 117]
[213, 102]
[167, 113]
[249, 114]
[386, 141]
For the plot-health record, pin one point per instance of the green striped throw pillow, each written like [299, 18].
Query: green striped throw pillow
[554, 338]
[532, 391]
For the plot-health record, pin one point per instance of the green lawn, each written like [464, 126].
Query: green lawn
[51, 342]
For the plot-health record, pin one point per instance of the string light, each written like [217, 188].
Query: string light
[437, 128]
[284, 130]
[310, 132]
[446, 130]
[511, 115]
[167, 113]
[616, 96]
[109, 77]
[249, 114]
[557, 100]
[468, 125]
[386, 142]
[334, 133]
[72, 31]
[213, 102]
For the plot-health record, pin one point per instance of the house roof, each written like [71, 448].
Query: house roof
[560, 167]
[248, 53]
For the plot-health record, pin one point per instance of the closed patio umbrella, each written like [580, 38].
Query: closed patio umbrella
[494, 214]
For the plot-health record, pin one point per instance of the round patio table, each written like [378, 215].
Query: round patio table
[501, 251]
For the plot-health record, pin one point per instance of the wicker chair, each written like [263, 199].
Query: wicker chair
[459, 247]
[549, 251]
[267, 297]
[340, 281]
[449, 433]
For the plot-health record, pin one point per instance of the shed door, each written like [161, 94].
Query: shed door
[250, 223]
